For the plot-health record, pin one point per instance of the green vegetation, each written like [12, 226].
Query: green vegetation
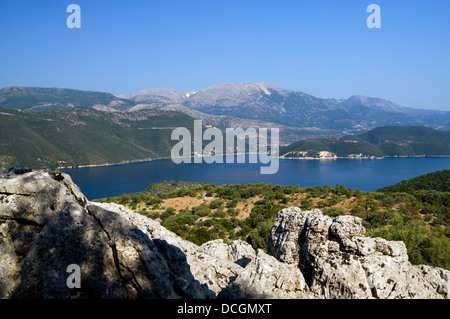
[172, 187]
[85, 136]
[36, 98]
[439, 181]
[342, 147]
[381, 141]
[420, 218]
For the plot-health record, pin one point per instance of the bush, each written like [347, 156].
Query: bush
[219, 214]
[153, 201]
[232, 203]
[201, 235]
[216, 204]
[179, 223]
[202, 210]
[167, 213]
[382, 218]
[334, 211]
[306, 203]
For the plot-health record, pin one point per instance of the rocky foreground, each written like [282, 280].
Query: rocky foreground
[47, 224]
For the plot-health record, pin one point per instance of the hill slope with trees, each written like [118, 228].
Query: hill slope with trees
[85, 136]
[378, 142]
[437, 181]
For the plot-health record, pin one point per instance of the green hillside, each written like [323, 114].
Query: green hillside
[82, 136]
[36, 98]
[409, 140]
[437, 181]
[381, 141]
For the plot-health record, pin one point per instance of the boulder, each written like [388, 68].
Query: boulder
[28, 202]
[266, 277]
[209, 264]
[338, 261]
[47, 225]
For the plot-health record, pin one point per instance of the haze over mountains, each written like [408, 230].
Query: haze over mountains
[262, 101]
[298, 115]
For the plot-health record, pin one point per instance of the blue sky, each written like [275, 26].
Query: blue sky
[320, 47]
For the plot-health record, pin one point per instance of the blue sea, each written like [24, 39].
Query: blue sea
[364, 174]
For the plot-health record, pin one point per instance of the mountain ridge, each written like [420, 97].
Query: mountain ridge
[298, 115]
[270, 103]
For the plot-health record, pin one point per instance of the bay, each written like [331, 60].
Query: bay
[364, 174]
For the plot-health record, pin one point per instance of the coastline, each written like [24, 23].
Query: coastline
[362, 157]
[111, 164]
[279, 157]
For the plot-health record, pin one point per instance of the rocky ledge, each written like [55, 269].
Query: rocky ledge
[47, 224]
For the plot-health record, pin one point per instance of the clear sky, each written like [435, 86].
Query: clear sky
[320, 47]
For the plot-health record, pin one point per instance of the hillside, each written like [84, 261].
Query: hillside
[200, 213]
[288, 134]
[85, 136]
[409, 140]
[438, 181]
[36, 99]
[379, 142]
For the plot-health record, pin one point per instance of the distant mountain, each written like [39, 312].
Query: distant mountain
[297, 114]
[437, 181]
[265, 102]
[379, 142]
[164, 95]
[364, 101]
[288, 134]
[37, 99]
[85, 136]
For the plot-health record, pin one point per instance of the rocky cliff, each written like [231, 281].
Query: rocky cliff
[46, 225]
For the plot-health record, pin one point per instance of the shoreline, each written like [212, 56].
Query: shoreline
[279, 157]
[362, 158]
[112, 164]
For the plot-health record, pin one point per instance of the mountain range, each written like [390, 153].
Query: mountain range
[297, 114]
[269, 103]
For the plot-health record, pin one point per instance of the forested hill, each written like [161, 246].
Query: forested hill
[85, 136]
[438, 181]
[36, 98]
[381, 141]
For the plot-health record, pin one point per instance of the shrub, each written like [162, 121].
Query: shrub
[334, 211]
[306, 203]
[216, 203]
[232, 203]
[202, 210]
[201, 235]
[167, 213]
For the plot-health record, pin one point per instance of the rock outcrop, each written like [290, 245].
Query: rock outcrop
[338, 261]
[47, 225]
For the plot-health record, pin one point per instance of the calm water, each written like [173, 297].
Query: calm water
[367, 175]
